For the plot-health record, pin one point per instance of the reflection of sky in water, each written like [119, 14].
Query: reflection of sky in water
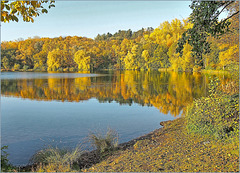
[43, 75]
[29, 125]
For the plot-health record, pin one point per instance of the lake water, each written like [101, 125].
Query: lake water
[40, 109]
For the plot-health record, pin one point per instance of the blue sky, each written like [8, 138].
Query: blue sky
[87, 19]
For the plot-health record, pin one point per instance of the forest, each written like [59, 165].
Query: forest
[145, 49]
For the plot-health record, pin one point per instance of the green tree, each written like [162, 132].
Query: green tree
[205, 19]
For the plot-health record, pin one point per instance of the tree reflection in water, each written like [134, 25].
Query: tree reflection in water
[167, 91]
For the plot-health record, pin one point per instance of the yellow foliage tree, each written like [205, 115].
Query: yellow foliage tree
[82, 60]
[146, 56]
[174, 57]
[226, 57]
[188, 61]
[54, 60]
[130, 60]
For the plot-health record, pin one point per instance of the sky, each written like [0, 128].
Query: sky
[87, 19]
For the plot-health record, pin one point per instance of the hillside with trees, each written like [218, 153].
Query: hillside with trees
[145, 49]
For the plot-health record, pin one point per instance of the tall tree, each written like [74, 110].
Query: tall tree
[205, 17]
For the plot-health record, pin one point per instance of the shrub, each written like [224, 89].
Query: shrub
[215, 115]
[104, 143]
[5, 165]
[55, 159]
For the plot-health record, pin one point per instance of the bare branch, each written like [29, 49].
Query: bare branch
[228, 18]
[223, 9]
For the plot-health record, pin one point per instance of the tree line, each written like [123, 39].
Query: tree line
[146, 49]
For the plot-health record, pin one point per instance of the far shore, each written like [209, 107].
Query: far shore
[160, 70]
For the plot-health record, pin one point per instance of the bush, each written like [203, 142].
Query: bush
[5, 165]
[104, 143]
[55, 159]
[216, 115]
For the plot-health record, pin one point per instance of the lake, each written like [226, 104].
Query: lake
[41, 109]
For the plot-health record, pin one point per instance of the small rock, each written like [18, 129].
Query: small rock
[162, 123]
[207, 142]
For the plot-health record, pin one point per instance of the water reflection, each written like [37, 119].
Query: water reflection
[167, 91]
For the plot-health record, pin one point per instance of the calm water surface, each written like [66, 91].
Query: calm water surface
[40, 109]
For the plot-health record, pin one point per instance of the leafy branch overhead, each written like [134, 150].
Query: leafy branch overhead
[205, 18]
[11, 10]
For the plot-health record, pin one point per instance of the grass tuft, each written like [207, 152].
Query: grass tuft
[56, 159]
[104, 143]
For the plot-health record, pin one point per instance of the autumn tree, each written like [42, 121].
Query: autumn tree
[11, 10]
[82, 60]
[174, 57]
[188, 61]
[130, 60]
[226, 57]
[146, 56]
[54, 60]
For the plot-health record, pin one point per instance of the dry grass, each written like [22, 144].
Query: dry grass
[172, 149]
[55, 160]
[104, 142]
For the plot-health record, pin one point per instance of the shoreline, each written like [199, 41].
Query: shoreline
[172, 149]
[167, 149]
[159, 70]
[90, 158]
